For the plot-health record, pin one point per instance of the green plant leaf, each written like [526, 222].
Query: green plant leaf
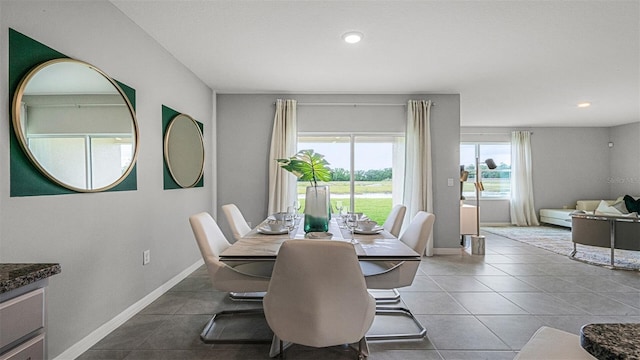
[307, 165]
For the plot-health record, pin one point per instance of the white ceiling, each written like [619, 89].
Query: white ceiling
[514, 63]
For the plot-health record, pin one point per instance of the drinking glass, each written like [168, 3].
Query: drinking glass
[289, 222]
[297, 206]
[352, 224]
[339, 207]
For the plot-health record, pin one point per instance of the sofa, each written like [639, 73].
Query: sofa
[562, 217]
[604, 223]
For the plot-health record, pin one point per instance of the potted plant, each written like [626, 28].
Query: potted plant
[308, 165]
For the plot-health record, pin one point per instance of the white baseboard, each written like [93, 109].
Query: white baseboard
[494, 224]
[98, 334]
[446, 251]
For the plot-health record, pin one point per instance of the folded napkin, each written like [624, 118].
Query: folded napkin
[319, 235]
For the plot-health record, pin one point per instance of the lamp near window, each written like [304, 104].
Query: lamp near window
[477, 240]
[463, 177]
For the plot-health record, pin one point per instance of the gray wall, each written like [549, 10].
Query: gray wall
[99, 238]
[244, 129]
[571, 164]
[625, 160]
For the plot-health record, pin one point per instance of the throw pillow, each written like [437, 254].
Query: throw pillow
[605, 209]
[633, 205]
[621, 206]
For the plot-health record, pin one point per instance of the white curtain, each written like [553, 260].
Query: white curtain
[418, 192]
[523, 212]
[282, 184]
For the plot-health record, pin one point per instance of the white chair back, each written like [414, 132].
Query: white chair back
[317, 295]
[393, 223]
[212, 243]
[418, 231]
[209, 237]
[238, 224]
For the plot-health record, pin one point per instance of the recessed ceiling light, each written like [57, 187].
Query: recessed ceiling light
[584, 104]
[352, 37]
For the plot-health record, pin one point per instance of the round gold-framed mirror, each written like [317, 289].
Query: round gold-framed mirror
[76, 125]
[184, 150]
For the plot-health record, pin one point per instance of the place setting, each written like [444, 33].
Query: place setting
[278, 224]
[367, 227]
[358, 223]
[273, 227]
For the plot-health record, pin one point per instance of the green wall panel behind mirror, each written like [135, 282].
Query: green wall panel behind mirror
[169, 183]
[24, 54]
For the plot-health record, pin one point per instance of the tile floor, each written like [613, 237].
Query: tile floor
[474, 307]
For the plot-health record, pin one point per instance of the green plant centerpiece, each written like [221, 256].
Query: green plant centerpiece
[308, 165]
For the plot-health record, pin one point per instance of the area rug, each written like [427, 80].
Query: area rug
[558, 240]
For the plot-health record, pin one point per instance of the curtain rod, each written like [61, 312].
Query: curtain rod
[349, 104]
[353, 104]
[496, 133]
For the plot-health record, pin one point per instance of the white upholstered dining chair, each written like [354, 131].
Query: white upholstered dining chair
[393, 275]
[388, 275]
[317, 296]
[393, 223]
[242, 277]
[239, 226]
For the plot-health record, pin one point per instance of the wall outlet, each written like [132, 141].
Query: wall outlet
[146, 257]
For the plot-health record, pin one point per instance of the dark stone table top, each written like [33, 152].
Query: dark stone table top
[13, 276]
[611, 341]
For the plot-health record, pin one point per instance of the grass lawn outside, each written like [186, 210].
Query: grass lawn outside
[377, 207]
[492, 187]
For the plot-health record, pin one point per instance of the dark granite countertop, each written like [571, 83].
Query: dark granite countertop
[611, 341]
[13, 276]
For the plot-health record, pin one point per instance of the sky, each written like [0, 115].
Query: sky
[380, 155]
[368, 155]
[499, 153]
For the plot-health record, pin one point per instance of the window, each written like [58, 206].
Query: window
[497, 182]
[90, 161]
[367, 170]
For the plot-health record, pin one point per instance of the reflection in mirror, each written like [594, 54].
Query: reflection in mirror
[184, 150]
[76, 125]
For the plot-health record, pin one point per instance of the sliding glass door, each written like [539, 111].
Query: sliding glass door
[367, 170]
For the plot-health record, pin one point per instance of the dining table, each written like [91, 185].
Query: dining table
[261, 244]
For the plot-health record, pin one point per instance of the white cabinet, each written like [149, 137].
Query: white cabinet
[23, 318]
[22, 325]
[32, 349]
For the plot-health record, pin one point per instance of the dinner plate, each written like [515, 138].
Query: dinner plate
[368, 232]
[268, 231]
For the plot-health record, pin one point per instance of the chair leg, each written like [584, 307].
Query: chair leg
[361, 355]
[385, 296]
[399, 311]
[281, 350]
[210, 333]
[247, 296]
